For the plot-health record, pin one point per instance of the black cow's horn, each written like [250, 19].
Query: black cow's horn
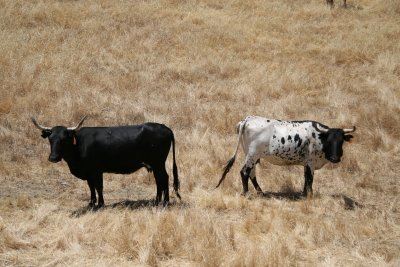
[40, 127]
[346, 131]
[78, 125]
[322, 130]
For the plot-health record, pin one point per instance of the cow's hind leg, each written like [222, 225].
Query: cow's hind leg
[245, 173]
[161, 176]
[254, 180]
[159, 188]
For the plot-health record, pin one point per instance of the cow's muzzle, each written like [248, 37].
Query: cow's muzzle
[54, 159]
[334, 159]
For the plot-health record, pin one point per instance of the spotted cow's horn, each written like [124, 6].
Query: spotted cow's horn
[40, 127]
[78, 125]
[322, 130]
[346, 131]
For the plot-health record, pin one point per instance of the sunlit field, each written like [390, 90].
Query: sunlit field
[199, 67]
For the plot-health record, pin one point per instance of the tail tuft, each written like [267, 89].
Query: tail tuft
[175, 170]
[239, 129]
[176, 181]
[226, 170]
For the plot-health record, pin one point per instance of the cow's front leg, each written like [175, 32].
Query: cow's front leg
[92, 188]
[308, 180]
[99, 189]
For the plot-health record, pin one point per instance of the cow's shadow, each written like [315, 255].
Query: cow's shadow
[84, 210]
[349, 203]
[128, 204]
[293, 196]
[134, 204]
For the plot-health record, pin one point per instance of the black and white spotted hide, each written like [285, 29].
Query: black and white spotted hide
[307, 143]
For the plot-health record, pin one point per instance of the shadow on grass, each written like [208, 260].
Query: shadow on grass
[349, 203]
[128, 204]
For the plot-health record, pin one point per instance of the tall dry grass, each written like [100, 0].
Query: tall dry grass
[199, 67]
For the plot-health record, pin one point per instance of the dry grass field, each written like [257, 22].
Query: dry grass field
[200, 66]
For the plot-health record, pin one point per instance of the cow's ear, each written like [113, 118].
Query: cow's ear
[46, 133]
[348, 137]
[72, 134]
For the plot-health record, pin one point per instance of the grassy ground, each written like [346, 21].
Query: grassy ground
[200, 67]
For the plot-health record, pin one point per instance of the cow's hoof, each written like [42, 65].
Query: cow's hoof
[307, 194]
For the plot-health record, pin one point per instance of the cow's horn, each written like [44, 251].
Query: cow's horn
[346, 131]
[78, 125]
[40, 127]
[322, 130]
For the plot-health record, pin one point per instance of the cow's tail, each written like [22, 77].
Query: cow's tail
[175, 170]
[239, 129]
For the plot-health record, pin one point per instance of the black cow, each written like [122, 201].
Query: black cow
[92, 151]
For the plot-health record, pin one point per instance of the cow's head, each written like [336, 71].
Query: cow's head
[332, 141]
[60, 138]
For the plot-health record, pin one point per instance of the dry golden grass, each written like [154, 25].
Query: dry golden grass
[199, 67]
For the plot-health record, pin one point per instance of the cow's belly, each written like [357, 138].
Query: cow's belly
[290, 153]
[283, 161]
[122, 167]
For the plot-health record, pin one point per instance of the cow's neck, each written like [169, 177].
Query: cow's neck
[70, 156]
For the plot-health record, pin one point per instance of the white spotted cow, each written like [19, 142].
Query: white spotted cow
[307, 143]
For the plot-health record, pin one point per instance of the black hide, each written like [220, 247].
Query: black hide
[92, 151]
